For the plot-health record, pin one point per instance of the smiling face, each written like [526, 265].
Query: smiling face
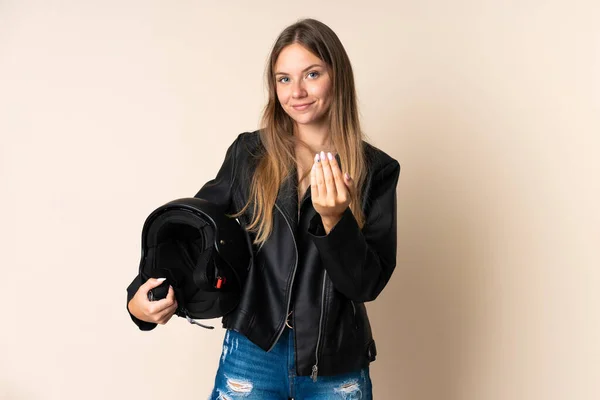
[303, 85]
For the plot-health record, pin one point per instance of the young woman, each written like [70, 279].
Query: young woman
[320, 205]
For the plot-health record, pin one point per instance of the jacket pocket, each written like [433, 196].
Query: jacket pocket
[343, 327]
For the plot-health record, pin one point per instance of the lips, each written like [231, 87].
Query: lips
[301, 107]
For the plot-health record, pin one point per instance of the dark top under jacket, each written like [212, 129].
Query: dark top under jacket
[324, 279]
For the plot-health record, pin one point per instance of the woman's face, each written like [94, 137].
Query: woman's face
[303, 85]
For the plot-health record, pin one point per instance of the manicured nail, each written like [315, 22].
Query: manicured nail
[330, 156]
[322, 155]
[317, 158]
[161, 279]
[347, 176]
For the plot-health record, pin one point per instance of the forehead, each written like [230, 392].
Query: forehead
[294, 58]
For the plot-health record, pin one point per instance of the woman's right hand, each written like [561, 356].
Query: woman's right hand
[158, 312]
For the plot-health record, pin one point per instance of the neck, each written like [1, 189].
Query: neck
[316, 137]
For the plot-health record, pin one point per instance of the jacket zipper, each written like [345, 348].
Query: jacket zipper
[293, 276]
[315, 368]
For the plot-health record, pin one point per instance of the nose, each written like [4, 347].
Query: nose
[298, 90]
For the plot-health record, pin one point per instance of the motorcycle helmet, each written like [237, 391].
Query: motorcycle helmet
[203, 253]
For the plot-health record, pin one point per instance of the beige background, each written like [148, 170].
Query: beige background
[110, 108]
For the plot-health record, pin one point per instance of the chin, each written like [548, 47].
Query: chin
[306, 119]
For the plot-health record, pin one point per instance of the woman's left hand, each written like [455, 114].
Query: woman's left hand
[330, 190]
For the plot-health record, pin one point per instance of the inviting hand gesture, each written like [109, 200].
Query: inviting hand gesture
[330, 190]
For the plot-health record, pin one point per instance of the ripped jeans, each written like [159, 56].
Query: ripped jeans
[248, 372]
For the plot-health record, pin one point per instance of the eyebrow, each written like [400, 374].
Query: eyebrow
[304, 70]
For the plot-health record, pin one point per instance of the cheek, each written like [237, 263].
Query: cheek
[282, 95]
[323, 92]
[328, 95]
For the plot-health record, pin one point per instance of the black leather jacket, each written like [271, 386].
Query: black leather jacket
[324, 279]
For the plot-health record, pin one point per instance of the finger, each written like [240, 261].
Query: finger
[328, 176]
[314, 189]
[319, 177]
[171, 294]
[160, 305]
[317, 168]
[340, 185]
[157, 307]
[350, 184]
[166, 315]
[164, 320]
[152, 283]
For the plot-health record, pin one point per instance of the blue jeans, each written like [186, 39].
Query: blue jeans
[248, 372]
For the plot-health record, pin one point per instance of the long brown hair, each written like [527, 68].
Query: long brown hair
[277, 129]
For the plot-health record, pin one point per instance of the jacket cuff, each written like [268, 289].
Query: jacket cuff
[143, 325]
[131, 289]
[346, 228]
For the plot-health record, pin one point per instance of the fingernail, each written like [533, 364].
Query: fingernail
[330, 156]
[347, 176]
[317, 158]
[322, 155]
[161, 279]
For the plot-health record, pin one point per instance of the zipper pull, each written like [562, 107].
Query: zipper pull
[191, 321]
[315, 371]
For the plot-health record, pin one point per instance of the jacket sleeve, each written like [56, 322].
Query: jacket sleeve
[131, 290]
[218, 191]
[361, 262]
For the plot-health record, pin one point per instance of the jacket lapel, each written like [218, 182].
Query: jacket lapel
[287, 199]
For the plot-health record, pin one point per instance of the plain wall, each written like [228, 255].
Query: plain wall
[108, 109]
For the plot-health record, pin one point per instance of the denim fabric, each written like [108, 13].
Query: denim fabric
[248, 372]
